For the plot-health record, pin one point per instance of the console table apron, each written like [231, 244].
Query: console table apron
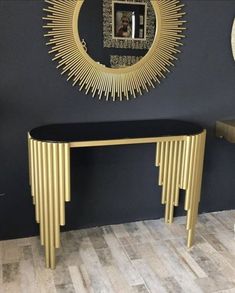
[179, 156]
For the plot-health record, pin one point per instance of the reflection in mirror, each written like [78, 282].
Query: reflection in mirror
[117, 33]
[129, 20]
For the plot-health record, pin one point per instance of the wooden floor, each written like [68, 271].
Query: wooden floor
[139, 257]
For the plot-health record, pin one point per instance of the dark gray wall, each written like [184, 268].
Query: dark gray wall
[112, 184]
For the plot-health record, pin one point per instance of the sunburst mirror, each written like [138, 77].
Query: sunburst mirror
[233, 39]
[114, 49]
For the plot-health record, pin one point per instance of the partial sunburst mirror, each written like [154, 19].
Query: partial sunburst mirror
[114, 49]
[233, 39]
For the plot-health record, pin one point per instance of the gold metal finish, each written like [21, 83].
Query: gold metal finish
[61, 184]
[226, 129]
[49, 166]
[56, 192]
[176, 170]
[99, 80]
[93, 143]
[180, 162]
[41, 199]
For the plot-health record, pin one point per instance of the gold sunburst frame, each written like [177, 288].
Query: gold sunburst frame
[91, 76]
[233, 39]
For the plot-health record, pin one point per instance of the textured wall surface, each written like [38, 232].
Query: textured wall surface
[112, 184]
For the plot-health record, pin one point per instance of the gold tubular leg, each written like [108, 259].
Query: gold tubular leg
[29, 159]
[173, 182]
[189, 173]
[49, 174]
[46, 203]
[51, 206]
[169, 182]
[181, 164]
[67, 172]
[36, 180]
[169, 160]
[158, 152]
[178, 173]
[181, 183]
[32, 168]
[161, 169]
[202, 144]
[165, 172]
[41, 194]
[62, 183]
[196, 186]
[190, 194]
[186, 163]
[56, 194]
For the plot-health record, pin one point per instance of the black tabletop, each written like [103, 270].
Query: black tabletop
[71, 132]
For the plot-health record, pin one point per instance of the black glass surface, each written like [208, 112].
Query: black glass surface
[71, 132]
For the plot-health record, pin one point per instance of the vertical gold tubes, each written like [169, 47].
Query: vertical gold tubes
[67, 172]
[178, 173]
[186, 162]
[196, 187]
[56, 194]
[165, 172]
[181, 164]
[190, 225]
[49, 167]
[169, 159]
[41, 193]
[188, 175]
[51, 205]
[201, 159]
[181, 182]
[168, 181]
[46, 203]
[29, 158]
[190, 237]
[162, 151]
[190, 193]
[36, 180]
[32, 167]
[62, 184]
[173, 182]
[158, 152]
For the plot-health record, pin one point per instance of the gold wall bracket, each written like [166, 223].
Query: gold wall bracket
[180, 162]
[226, 129]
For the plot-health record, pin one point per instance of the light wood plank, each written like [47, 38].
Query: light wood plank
[98, 277]
[140, 257]
[152, 281]
[77, 280]
[132, 276]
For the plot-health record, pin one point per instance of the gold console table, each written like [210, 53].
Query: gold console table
[179, 156]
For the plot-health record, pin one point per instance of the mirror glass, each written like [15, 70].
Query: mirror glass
[233, 39]
[117, 33]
